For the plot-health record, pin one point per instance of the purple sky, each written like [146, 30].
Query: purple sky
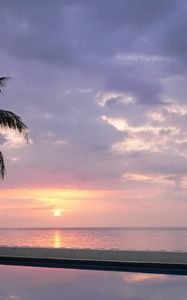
[102, 86]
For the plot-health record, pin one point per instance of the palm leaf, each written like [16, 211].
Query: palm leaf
[2, 166]
[3, 83]
[10, 120]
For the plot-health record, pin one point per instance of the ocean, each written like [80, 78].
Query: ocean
[167, 239]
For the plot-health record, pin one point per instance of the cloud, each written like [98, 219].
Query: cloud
[150, 178]
[12, 139]
[171, 38]
[62, 39]
[113, 98]
[103, 92]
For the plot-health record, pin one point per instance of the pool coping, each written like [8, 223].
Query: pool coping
[160, 262]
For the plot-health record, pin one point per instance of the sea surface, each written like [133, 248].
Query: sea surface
[174, 239]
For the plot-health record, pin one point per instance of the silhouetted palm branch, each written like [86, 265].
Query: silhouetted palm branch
[2, 166]
[3, 83]
[9, 120]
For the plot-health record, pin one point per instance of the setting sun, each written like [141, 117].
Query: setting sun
[57, 213]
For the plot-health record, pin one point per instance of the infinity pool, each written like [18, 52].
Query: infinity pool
[31, 283]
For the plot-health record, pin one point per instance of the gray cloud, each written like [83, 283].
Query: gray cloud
[61, 55]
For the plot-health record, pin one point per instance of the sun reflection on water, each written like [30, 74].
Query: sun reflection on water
[57, 242]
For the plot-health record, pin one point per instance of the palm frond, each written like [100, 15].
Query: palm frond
[10, 120]
[2, 166]
[3, 83]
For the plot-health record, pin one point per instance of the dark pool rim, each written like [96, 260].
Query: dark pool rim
[157, 262]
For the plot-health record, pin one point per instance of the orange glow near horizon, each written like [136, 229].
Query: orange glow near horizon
[48, 194]
[40, 207]
[65, 199]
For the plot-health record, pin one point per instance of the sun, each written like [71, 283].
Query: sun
[57, 213]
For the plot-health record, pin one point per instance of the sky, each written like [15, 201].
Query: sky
[102, 88]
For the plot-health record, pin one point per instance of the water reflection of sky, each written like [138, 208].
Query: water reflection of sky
[144, 239]
[26, 283]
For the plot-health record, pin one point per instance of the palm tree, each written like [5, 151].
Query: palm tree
[9, 120]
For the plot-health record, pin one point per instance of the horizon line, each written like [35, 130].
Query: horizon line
[93, 227]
